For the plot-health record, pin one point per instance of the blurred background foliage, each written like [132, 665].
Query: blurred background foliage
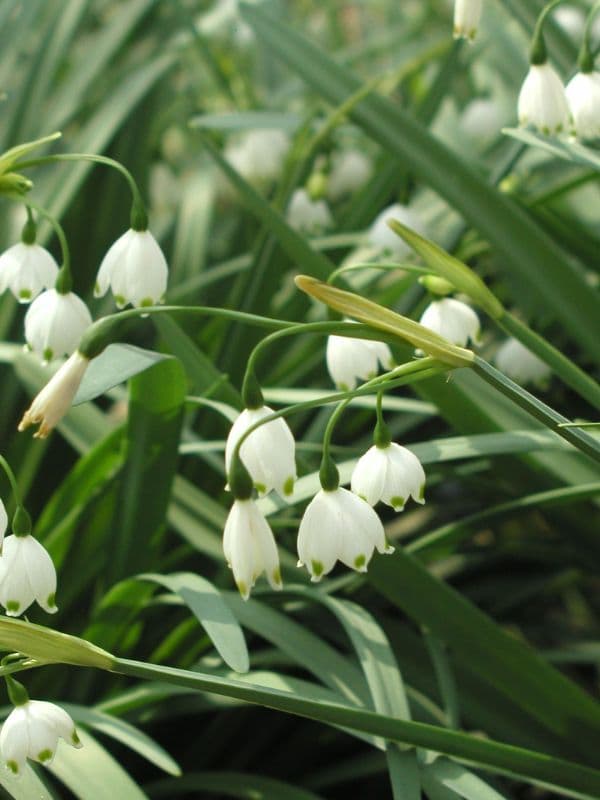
[125, 79]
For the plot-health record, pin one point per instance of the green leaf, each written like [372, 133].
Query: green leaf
[523, 247]
[154, 427]
[92, 773]
[245, 785]
[572, 151]
[123, 732]
[486, 754]
[247, 121]
[213, 613]
[497, 657]
[458, 779]
[116, 364]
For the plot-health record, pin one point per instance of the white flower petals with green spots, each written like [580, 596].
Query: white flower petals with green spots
[542, 101]
[583, 96]
[26, 574]
[249, 547]
[135, 269]
[55, 323]
[339, 526]
[27, 269]
[389, 474]
[32, 730]
[268, 453]
[520, 364]
[467, 14]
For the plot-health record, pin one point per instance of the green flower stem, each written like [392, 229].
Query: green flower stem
[566, 370]
[17, 693]
[585, 60]
[550, 418]
[381, 435]
[12, 480]
[405, 373]
[404, 266]
[350, 329]
[483, 752]
[139, 218]
[538, 53]
[106, 330]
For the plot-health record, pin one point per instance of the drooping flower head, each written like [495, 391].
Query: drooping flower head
[543, 102]
[55, 323]
[520, 364]
[390, 474]
[55, 399]
[135, 269]
[452, 319]
[349, 359]
[383, 237]
[583, 97]
[32, 730]
[26, 574]
[350, 170]
[268, 453]
[259, 155]
[249, 547]
[467, 14]
[27, 269]
[311, 217]
[339, 526]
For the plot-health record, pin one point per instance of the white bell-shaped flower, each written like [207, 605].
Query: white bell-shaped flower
[583, 96]
[383, 237]
[351, 359]
[452, 319]
[467, 14]
[26, 574]
[27, 269]
[135, 269]
[55, 323]
[339, 526]
[249, 547]
[543, 102]
[55, 399]
[520, 364]
[268, 453]
[350, 170]
[391, 474]
[32, 730]
[259, 155]
[308, 216]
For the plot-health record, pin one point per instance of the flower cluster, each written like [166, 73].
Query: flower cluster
[548, 106]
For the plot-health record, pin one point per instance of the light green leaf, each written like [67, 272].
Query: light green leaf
[209, 607]
[113, 366]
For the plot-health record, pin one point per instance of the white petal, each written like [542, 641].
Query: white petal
[368, 477]
[583, 96]
[405, 477]
[466, 18]
[452, 319]
[308, 216]
[57, 718]
[43, 738]
[14, 739]
[350, 170]
[237, 545]
[384, 238]
[41, 572]
[3, 523]
[364, 531]
[109, 262]
[349, 359]
[16, 593]
[37, 271]
[520, 364]
[264, 541]
[319, 534]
